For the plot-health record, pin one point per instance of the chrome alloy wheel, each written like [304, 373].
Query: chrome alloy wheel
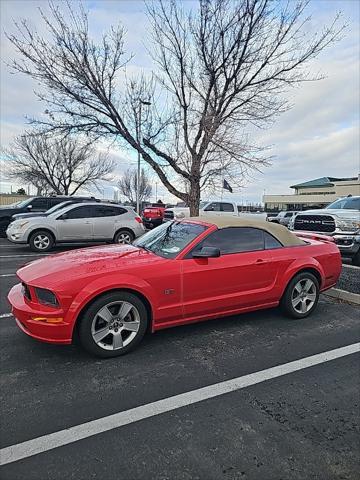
[123, 238]
[41, 241]
[115, 325]
[303, 295]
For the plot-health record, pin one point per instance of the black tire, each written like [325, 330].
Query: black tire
[126, 235]
[3, 227]
[45, 245]
[290, 296]
[90, 318]
[356, 259]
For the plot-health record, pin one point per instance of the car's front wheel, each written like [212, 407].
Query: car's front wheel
[301, 295]
[113, 325]
[41, 241]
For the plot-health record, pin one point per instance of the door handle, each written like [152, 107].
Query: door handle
[87, 223]
[260, 261]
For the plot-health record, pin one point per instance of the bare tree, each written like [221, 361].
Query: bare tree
[221, 68]
[60, 165]
[128, 186]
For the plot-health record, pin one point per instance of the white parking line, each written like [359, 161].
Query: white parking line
[8, 275]
[42, 444]
[354, 267]
[6, 315]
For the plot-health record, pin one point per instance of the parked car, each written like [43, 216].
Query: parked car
[153, 215]
[205, 209]
[178, 273]
[89, 222]
[53, 209]
[33, 204]
[340, 220]
[283, 218]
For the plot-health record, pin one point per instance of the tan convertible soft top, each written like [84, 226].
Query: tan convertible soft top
[280, 232]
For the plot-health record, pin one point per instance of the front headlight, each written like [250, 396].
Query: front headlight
[20, 225]
[348, 225]
[46, 297]
[180, 215]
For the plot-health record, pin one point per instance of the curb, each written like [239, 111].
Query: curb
[343, 295]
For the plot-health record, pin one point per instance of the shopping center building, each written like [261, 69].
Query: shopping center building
[313, 194]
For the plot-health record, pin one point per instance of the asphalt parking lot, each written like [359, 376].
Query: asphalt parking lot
[301, 424]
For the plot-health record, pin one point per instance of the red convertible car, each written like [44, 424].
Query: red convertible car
[178, 273]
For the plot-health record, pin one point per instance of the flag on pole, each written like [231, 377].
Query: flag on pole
[226, 186]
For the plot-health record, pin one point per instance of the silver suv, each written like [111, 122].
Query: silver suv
[86, 222]
[340, 220]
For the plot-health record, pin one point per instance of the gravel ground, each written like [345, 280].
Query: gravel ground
[350, 279]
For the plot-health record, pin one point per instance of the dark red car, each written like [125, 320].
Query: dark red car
[178, 273]
[153, 215]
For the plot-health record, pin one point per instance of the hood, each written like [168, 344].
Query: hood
[341, 213]
[22, 216]
[85, 264]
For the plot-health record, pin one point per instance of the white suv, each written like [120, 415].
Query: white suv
[86, 222]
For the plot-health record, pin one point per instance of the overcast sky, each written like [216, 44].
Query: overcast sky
[318, 137]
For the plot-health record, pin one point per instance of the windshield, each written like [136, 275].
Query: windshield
[57, 207]
[348, 203]
[21, 204]
[168, 240]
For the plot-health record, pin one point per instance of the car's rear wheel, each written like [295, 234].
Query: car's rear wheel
[301, 295]
[113, 325]
[41, 241]
[124, 236]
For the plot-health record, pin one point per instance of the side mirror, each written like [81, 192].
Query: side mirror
[207, 252]
[29, 207]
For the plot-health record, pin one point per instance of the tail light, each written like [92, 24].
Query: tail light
[138, 219]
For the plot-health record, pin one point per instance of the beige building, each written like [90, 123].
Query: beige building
[313, 194]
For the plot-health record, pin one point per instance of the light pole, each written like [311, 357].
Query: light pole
[141, 103]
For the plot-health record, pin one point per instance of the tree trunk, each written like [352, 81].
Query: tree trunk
[194, 199]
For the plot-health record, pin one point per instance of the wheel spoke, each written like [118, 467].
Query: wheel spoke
[308, 285]
[311, 297]
[105, 314]
[298, 287]
[117, 341]
[125, 309]
[303, 306]
[131, 326]
[101, 334]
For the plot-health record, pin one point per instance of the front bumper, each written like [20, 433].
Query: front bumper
[347, 242]
[16, 236]
[25, 315]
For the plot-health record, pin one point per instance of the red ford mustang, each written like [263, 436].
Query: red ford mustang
[181, 272]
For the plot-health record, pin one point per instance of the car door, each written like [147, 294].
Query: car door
[107, 221]
[227, 209]
[76, 224]
[213, 208]
[241, 277]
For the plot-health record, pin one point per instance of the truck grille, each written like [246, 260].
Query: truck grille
[314, 223]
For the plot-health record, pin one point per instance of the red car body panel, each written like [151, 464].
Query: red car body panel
[177, 291]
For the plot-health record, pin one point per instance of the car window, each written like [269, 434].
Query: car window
[348, 203]
[105, 211]
[227, 207]
[58, 206]
[288, 214]
[168, 240]
[41, 203]
[271, 242]
[213, 207]
[85, 211]
[235, 240]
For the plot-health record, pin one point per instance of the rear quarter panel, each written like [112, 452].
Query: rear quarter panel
[322, 257]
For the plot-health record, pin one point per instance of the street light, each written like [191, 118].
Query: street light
[141, 103]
